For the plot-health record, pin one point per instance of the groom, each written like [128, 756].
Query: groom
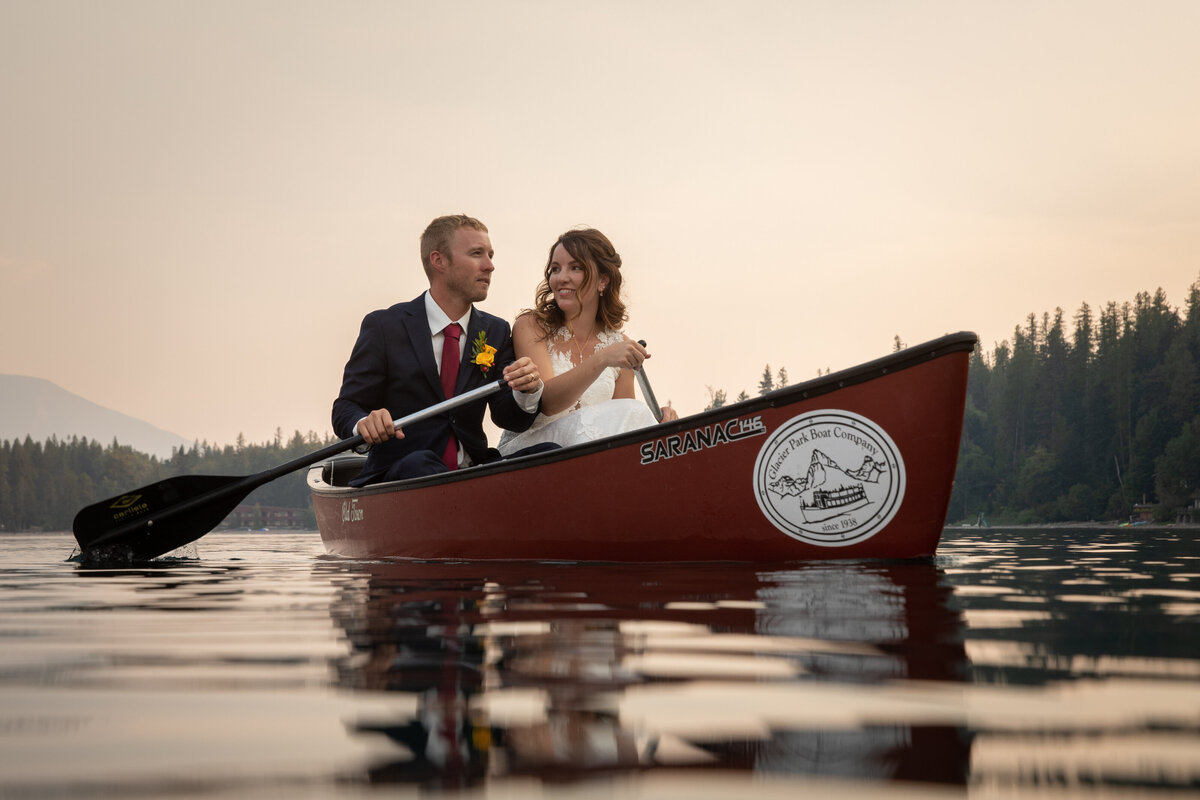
[405, 357]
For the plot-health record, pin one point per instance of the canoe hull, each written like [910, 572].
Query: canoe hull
[859, 464]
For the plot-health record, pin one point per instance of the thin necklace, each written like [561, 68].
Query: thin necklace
[581, 345]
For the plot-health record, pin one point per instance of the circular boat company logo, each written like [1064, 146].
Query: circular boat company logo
[830, 478]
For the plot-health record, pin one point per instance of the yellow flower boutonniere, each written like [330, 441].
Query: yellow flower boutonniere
[484, 354]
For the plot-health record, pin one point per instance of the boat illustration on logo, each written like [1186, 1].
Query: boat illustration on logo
[830, 478]
[840, 501]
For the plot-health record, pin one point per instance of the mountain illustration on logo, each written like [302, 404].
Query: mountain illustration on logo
[819, 468]
[869, 472]
[827, 490]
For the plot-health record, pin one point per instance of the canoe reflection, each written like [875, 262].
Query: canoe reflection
[566, 671]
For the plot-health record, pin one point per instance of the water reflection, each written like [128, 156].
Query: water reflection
[562, 672]
[1047, 606]
[1062, 661]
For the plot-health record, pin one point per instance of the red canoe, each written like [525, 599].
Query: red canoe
[855, 464]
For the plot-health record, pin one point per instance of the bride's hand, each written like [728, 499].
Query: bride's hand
[668, 414]
[626, 354]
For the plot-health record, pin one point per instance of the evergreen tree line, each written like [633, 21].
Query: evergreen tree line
[1082, 423]
[43, 484]
[1060, 425]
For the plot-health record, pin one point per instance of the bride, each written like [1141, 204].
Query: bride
[573, 334]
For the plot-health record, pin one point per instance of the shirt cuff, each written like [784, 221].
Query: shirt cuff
[361, 448]
[529, 402]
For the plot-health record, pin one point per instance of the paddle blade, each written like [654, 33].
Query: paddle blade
[179, 510]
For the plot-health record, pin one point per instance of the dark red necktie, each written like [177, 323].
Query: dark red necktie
[450, 360]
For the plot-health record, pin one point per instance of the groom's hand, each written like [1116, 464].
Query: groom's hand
[378, 427]
[522, 375]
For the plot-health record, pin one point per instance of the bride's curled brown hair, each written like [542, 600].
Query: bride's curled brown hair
[591, 248]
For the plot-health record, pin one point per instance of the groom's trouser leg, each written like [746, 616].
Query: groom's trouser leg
[416, 464]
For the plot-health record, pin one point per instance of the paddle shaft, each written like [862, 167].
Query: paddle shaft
[647, 392]
[240, 488]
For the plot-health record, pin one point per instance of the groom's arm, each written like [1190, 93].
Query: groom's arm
[514, 410]
[363, 405]
[363, 381]
[527, 403]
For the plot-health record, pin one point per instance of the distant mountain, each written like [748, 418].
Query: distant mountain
[40, 409]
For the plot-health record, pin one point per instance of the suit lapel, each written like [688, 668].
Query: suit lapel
[466, 369]
[417, 324]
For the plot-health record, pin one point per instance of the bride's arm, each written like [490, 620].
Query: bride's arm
[525, 331]
[560, 392]
[624, 388]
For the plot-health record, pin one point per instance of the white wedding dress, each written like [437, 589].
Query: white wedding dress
[594, 416]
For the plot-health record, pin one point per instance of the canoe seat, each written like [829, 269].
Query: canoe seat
[340, 470]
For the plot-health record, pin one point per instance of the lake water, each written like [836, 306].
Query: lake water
[1020, 663]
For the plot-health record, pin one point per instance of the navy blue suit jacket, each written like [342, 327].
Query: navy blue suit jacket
[392, 366]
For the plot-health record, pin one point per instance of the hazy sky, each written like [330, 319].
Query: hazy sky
[200, 200]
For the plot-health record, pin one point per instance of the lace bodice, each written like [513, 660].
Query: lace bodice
[562, 356]
[594, 416]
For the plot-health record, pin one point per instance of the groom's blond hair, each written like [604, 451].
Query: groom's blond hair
[438, 234]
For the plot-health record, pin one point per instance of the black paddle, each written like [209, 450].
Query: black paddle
[158, 518]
